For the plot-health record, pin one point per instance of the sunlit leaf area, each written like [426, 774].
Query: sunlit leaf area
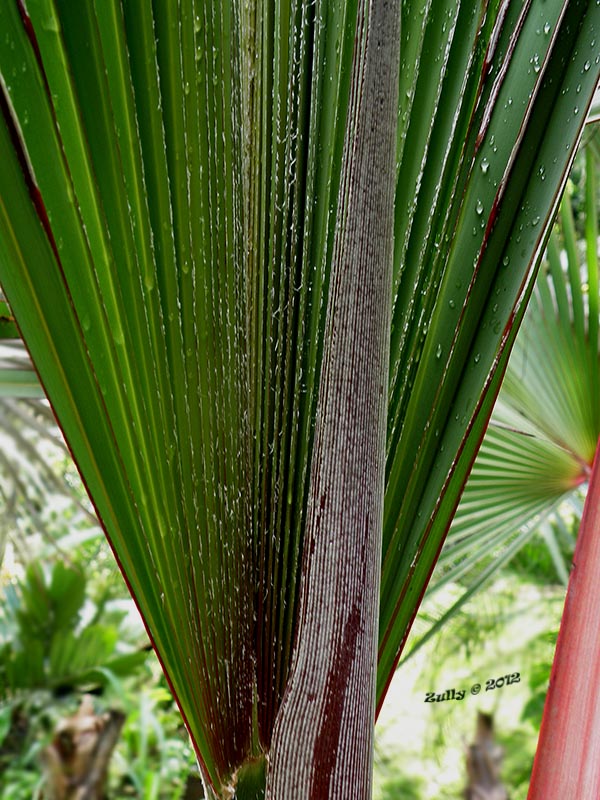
[483, 641]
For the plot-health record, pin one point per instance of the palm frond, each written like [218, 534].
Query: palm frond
[465, 278]
[541, 441]
[169, 200]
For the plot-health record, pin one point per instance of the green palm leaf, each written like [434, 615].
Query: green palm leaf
[467, 277]
[168, 212]
[540, 444]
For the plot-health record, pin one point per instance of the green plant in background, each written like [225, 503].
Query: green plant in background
[154, 759]
[58, 622]
[55, 643]
[196, 216]
[45, 644]
[45, 514]
[57, 548]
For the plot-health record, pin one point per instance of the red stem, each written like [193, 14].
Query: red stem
[567, 762]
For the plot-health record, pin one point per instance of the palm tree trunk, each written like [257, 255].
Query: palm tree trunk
[567, 762]
[323, 739]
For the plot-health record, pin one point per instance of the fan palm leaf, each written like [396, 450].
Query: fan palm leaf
[171, 200]
[17, 376]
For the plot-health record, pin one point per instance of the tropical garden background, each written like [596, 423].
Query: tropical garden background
[67, 625]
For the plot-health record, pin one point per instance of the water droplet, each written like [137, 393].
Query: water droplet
[546, 28]
[438, 351]
[149, 280]
[451, 304]
[576, 110]
[477, 358]
[586, 66]
[485, 165]
[506, 261]
[51, 24]
[186, 87]
[118, 336]
[479, 207]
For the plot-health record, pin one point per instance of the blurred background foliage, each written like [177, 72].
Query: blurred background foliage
[68, 627]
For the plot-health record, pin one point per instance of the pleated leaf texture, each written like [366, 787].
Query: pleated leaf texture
[539, 447]
[168, 200]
